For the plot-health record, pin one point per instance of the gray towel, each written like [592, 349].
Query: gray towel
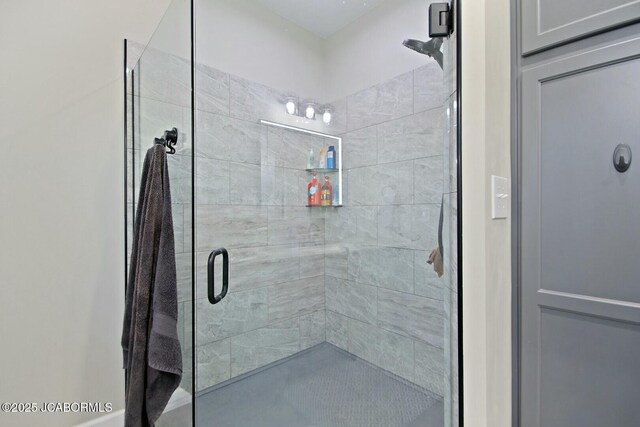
[151, 350]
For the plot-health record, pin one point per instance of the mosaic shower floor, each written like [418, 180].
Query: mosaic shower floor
[323, 386]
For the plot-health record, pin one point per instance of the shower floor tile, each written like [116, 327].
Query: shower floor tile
[323, 386]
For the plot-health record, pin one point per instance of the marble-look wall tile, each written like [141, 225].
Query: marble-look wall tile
[245, 184]
[429, 369]
[252, 101]
[396, 354]
[296, 231]
[256, 267]
[231, 226]
[212, 181]
[212, 90]
[428, 90]
[364, 340]
[296, 298]
[290, 149]
[351, 299]
[409, 226]
[360, 148]
[187, 212]
[213, 363]
[387, 101]
[180, 180]
[312, 329]
[164, 77]
[412, 316]
[388, 184]
[336, 257]
[338, 330]
[294, 212]
[427, 282]
[390, 268]
[184, 276]
[236, 313]
[416, 136]
[265, 345]
[389, 351]
[225, 138]
[294, 187]
[428, 181]
[353, 225]
[311, 258]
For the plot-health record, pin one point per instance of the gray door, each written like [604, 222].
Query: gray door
[550, 22]
[580, 265]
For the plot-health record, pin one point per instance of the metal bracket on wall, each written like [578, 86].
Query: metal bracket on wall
[440, 24]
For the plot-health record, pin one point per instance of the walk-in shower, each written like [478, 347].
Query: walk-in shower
[331, 314]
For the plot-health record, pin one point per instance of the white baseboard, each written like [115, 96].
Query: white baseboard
[116, 419]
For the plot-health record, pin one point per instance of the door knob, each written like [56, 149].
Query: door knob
[622, 158]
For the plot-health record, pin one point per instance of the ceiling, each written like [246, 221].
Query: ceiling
[321, 17]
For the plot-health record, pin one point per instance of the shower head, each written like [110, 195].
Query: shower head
[430, 48]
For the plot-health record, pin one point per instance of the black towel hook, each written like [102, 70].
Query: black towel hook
[169, 139]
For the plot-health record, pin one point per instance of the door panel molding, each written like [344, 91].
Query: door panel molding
[543, 28]
[592, 306]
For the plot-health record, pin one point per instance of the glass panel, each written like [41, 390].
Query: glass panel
[333, 315]
[159, 87]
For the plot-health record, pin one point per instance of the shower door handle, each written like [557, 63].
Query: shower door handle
[211, 293]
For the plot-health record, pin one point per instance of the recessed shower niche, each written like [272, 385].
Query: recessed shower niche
[333, 316]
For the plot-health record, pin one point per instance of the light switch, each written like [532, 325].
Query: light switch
[499, 197]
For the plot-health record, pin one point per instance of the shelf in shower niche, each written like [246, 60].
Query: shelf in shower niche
[320, 206]
[322, 170]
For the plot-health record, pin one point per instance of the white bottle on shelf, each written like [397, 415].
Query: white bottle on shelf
[311, 161]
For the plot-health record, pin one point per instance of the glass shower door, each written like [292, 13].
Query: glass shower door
[159, 98]
[324, 311]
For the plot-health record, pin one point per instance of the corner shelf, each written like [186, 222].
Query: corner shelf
[320, 206]
[322, 170]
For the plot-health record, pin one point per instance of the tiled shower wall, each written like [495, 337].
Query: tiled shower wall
[251, 197]
[384, 303]
[354, 276]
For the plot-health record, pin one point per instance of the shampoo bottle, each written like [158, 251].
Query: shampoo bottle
[322, 161]
[314, 192]
[331, 158]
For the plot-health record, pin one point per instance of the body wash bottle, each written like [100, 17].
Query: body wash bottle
[313, 192]
[326, 197]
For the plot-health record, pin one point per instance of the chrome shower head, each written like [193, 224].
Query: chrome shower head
[430, 48]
